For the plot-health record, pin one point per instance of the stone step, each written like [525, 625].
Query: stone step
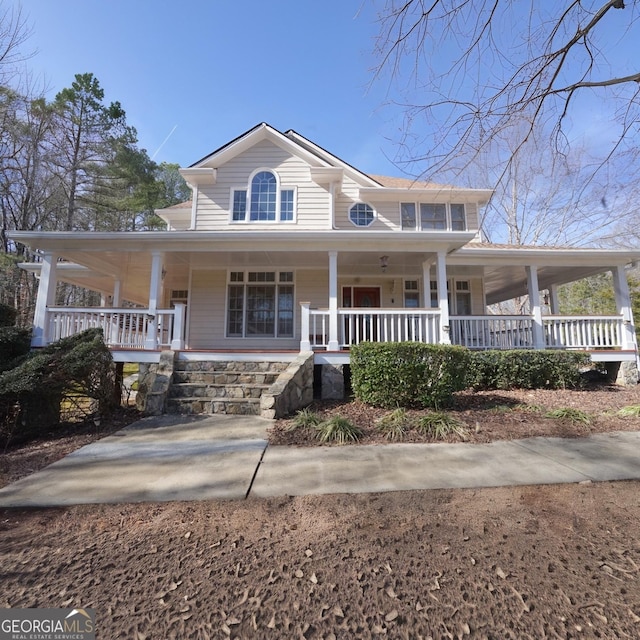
[198, 390]
[213, 366]
[225, 377]
[230, 406]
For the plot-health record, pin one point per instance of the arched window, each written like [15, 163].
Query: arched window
[264, 192]
[263, 201]
[361, 214]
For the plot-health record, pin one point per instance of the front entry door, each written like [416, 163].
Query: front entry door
[366, 297]
[366, 327]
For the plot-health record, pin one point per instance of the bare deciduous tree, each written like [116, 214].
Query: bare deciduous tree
[14, 32]
[469, 67]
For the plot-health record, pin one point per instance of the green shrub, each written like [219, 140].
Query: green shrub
[407, 374]
[338, 429]
[14, 343]
[440, 425]
[526, 369]
[31, 393]
[8, 315]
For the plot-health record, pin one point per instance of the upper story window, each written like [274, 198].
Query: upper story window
[263, 201]
[433, 216]
[362, 214]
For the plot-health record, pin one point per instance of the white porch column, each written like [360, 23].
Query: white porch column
[305, 343]
[554, 300]
[46, 297]
[177, 339]
[155, 291]
[443, 299]
[533, 290]
[623, 304]
[334, 344]
[116, 298]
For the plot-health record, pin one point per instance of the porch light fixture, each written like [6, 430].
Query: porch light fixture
[384, 262]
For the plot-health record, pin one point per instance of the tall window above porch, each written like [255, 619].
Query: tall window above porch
[263, 201]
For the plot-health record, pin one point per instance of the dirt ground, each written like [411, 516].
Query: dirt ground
[557, 561]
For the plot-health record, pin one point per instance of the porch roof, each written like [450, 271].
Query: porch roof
[99, 258]
[504, 266]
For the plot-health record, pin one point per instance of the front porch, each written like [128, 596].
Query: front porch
[205, 293]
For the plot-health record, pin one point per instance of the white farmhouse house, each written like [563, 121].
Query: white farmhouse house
[286, 249]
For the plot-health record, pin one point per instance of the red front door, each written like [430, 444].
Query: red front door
[366, 297]
[364, 326]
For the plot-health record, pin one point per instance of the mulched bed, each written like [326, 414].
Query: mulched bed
[488, 415]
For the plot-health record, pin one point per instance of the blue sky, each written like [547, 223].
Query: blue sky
[194, 74]
[204, 71]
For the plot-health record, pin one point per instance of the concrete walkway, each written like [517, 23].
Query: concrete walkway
[155, 459]
[226, 457]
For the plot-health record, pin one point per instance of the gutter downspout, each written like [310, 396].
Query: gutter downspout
[194, 206]
[332, 205]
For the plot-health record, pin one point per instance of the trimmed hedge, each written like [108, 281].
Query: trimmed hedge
[526, 369]
[407, 374]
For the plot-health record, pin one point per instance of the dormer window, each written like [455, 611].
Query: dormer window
[263, 201]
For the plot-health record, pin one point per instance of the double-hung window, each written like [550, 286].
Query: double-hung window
[260, 304]
[431, 216]
[263, 201]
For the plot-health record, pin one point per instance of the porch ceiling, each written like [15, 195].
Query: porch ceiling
[508, 282]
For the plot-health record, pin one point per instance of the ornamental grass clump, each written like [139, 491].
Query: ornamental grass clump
[632, 411]
[394, 425]
[304, 419]
[569, 414]
[441, 425]
[338, 429]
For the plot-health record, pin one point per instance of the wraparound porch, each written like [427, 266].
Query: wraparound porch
[139, 329]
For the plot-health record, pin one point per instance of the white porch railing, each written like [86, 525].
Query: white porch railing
[388, 325]
[583, 332]
[474, 332]
[492, 332]
[123, 328]
[372, 325]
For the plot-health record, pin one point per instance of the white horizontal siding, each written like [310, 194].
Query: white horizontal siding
[206, 309]
[312, 206]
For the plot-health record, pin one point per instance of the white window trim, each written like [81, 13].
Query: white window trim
[279, 189]
[448, 221]
[360, 226]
